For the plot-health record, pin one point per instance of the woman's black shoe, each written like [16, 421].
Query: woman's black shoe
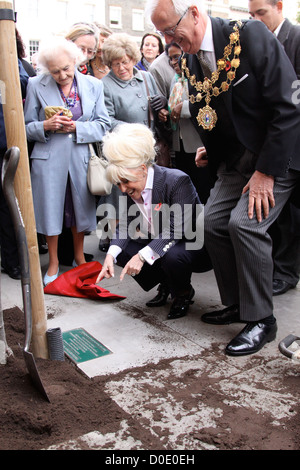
[104, 244]
[14, 273]
[181, 305]
[161, 298]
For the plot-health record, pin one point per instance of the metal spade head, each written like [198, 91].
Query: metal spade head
[10, 163]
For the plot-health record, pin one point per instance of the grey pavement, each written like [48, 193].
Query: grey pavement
[137, 335]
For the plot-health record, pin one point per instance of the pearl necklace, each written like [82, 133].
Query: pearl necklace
[99, 70]
[70, 102]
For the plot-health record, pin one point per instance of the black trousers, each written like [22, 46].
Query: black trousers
[175, 268]
[8, 241]
[201, 177]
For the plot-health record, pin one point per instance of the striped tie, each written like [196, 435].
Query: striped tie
[205, 65]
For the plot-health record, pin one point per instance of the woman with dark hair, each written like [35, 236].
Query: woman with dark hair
[96, 66]
[21, 52]
[151, 47]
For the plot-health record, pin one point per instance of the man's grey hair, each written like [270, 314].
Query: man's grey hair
[180, 6]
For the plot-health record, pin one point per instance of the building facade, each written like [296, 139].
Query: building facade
[39, 19]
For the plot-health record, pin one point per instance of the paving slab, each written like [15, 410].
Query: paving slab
[138, 336]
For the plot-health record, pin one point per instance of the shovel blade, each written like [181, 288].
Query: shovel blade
[33, 372]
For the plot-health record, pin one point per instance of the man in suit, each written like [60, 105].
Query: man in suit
[286, 230]
[248, 122]
[157, 239]
[163, 74]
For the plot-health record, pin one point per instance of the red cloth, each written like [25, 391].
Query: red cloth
[80, 282]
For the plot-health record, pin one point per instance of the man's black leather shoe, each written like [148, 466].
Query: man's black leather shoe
[180, 305]
[14, 273]
[251, 339]
[223, 317]
[281, 287]
[161, 298]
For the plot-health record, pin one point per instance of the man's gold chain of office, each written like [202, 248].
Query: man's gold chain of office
[207, 117]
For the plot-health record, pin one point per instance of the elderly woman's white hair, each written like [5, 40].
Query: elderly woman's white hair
[54, 47]
[128, 147]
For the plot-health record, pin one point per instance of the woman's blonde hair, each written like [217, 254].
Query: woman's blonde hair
[117, 45]
[54, 47]
[83, 29]
[126, 148]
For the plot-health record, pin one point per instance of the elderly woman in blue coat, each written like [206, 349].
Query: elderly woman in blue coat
[61, 151]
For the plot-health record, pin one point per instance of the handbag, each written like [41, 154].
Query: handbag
[97, 181]
[175, 98]
[51, 110]
[162, 150]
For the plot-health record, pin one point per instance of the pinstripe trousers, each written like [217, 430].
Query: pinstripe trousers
[241, 249]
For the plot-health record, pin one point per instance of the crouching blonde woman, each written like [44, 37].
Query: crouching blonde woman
[156, 241]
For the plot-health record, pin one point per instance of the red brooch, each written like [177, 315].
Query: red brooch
[228, 65]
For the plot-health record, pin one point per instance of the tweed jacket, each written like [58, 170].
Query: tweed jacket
[259, 103]
[170, 188]
[57, 156]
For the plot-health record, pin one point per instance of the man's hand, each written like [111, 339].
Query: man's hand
[201, 157]
[261, 197]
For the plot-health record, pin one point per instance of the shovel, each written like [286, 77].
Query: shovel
[284, 347]
[9, 167]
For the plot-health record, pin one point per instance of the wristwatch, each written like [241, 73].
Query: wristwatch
[141, 257]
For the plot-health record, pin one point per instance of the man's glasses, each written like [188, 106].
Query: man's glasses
[171, 32]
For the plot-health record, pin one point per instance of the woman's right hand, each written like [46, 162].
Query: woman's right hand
[176, 112]
[56, 122]
[107, 270]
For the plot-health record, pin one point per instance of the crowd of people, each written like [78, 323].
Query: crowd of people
[222, 101]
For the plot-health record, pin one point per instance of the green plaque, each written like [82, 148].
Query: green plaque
[80, 346]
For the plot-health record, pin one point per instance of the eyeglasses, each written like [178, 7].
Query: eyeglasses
[171, 32]
[118, 65]
[85, 50]
[175, 58]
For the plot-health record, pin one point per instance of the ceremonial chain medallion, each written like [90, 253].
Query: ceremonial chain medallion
[207, 117]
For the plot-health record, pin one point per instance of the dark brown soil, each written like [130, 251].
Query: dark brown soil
[79, 405]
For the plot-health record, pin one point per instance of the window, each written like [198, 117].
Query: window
[90, 12]
[33, 9]
[115, 17]
[62, 10]
[138, 20]
[33, 47]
